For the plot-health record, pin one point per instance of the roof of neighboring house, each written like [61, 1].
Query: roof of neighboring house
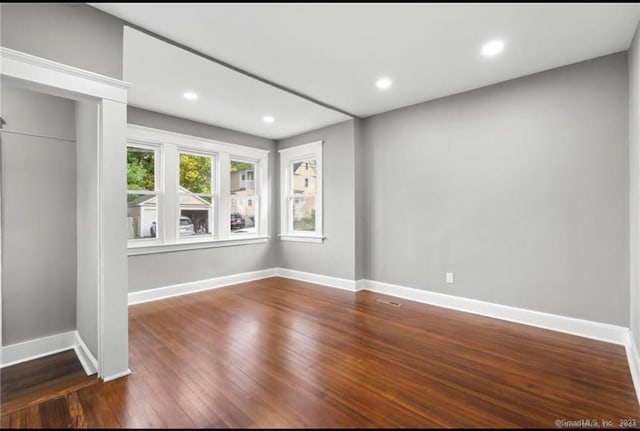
[302, 169]
[186, 200]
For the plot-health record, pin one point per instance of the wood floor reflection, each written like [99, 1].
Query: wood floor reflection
[283, 353]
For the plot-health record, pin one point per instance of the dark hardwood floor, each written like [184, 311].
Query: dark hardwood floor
[283, 353]
[32, 383]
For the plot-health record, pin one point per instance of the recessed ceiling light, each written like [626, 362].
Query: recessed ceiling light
[268, 119]
[493, 47]
[190, 95]
[383, 83]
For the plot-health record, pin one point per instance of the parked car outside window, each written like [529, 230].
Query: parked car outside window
[186, 226]
[237, 221]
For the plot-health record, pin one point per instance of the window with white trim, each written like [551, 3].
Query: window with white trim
[301, 193]
[243, 197]
[195, 193]
[178, 198]
[143, 193]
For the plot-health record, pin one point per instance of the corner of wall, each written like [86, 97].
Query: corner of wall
[361, 214]
[634, 186]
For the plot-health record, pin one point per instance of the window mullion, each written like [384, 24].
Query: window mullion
[223, 192]
[171, 211]
[290, 213]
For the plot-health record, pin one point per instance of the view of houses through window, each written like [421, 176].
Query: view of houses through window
[243, 199]
[304, 188]
[195, 195]
[176, 194]
[301, 193]
[142, 197]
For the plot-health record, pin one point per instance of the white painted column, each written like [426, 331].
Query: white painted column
[114, 353]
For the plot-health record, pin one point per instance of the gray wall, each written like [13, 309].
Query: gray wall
[74, 34]
[520, 189]
[360, 165]
[336, 256]
[87, 278]
[164, 269]
[634, 185]
[38, 217]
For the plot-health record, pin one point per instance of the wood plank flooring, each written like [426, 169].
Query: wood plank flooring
[31, 383]
[283, 353]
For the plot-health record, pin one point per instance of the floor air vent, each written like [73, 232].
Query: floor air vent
[386, 301]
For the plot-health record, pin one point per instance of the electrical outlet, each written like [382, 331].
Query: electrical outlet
[450, 278]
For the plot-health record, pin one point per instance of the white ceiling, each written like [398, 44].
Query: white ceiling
[335, 52]
[161, 73]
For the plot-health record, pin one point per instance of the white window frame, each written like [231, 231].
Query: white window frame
[159, 192]
[214, 196]
[171, 144]
[257, 198]
[288, 156]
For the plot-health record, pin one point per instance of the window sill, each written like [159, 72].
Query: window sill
[302, 238]
[167, 248]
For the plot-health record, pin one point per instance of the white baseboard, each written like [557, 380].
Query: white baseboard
[583, 328]
[86, 358]
[33, 349]
[117, 376]
[197, 286]
[45, 346]
[634, 363]
[362, 284]
[340, 283]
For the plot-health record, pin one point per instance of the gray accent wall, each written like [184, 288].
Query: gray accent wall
[164, 269]
[634, 186]
[336, 255]
[520, 189]
[38, 216]
[74, 34]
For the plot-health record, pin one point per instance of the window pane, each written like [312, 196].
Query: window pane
[243, 178]
[195, 222]
[195, 173]
[243, 214]
[195, 214]
[304, 177]
[243, 200]
[142, 216]
[141, 169]
[304, 213]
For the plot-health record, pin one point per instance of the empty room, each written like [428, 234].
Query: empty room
[320, 215]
